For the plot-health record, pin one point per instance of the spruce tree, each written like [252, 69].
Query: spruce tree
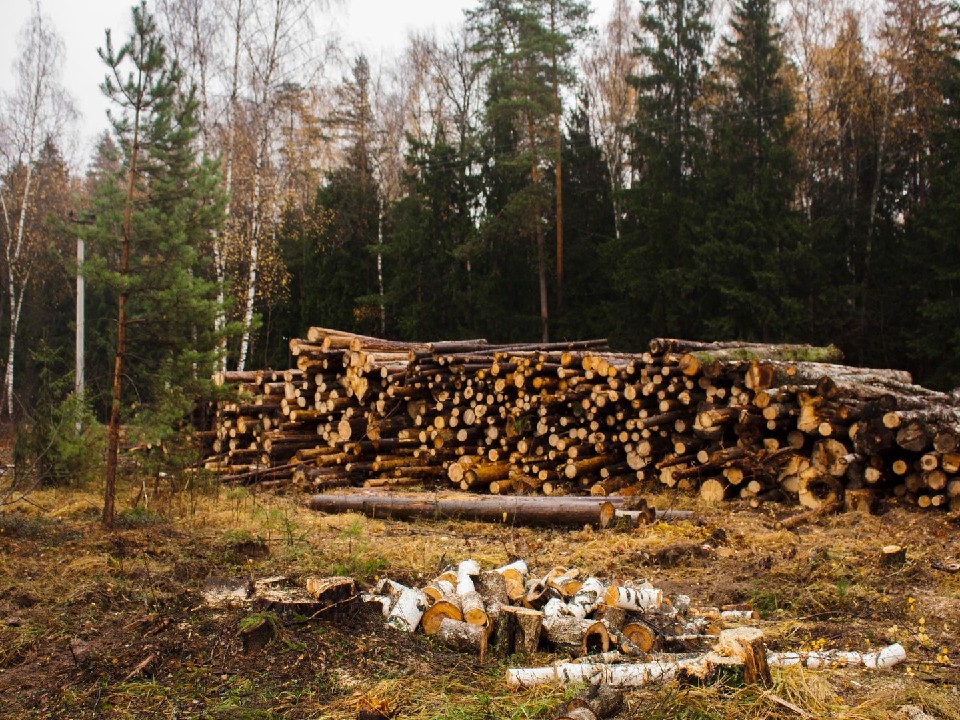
[934, 255]
[751, 231]
[430, 241]
[668, 152]
[588, 309]
[347, 219]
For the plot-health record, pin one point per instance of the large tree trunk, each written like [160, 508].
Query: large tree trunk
[511, 510]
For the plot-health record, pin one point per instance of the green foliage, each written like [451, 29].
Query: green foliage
[62, 442]
[149, 253]
[139, 517]
[331, 247]
[935, 261]
[430, 242]
[279, 520]
[751, 231]
[524, 49]
[655, 274]
[589, 298]
[358, 562]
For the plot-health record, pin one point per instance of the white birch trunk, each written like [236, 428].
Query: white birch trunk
[254, 267]
[16, 305]
[16, 290]
[220, 318]
[886, 657]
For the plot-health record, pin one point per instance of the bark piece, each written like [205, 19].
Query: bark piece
[573, 634]
[463, 636]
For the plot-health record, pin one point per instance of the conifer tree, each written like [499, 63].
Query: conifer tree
[150, 220]
[668, 154]
[589, 307]
[524, 47]
[431, 231]
[749, 246]
[347, 216]
[934, 257]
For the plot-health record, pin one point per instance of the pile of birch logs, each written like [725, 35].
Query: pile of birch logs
[722, 419]
[625, 634]
[510, 610]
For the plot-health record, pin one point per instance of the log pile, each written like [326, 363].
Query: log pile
[614, 634]
[619, 634]
[509, 610]
[722, 419]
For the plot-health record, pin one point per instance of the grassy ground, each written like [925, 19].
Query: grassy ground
[114, 625]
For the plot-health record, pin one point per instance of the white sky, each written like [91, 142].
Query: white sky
[378, 27]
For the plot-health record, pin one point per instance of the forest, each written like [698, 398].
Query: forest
[755, 170]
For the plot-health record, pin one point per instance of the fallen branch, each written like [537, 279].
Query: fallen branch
[739, 647]
[886, 657]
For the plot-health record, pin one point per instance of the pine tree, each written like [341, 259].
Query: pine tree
[524, 48]
[150, 220]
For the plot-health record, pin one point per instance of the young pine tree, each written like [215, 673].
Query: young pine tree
[151, 218]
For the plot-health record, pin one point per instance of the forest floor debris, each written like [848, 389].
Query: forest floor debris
[115, 625]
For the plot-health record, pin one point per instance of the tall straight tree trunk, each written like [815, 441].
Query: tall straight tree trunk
[540, 240]
[542, 264]
[16, 290]
[113, 426]
[558, 164]
[254, 269]
[541, 261]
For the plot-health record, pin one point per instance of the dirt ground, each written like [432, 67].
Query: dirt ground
[97, 624]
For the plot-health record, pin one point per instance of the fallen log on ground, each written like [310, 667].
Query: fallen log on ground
[508, 510]
[739, 647]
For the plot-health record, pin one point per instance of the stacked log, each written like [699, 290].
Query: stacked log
[723, 419]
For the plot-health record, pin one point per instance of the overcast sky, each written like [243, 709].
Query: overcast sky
[378, 27]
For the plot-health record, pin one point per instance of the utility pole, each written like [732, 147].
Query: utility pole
[78, 371]
[78, 374]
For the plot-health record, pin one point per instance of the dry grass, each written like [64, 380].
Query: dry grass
[133, 595]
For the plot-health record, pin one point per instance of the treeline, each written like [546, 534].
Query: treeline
[790, 174]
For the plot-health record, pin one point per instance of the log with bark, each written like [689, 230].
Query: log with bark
[728, 420]
[508, 510]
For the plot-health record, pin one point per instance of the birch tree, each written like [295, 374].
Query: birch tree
[39, 109]
[273, 44]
